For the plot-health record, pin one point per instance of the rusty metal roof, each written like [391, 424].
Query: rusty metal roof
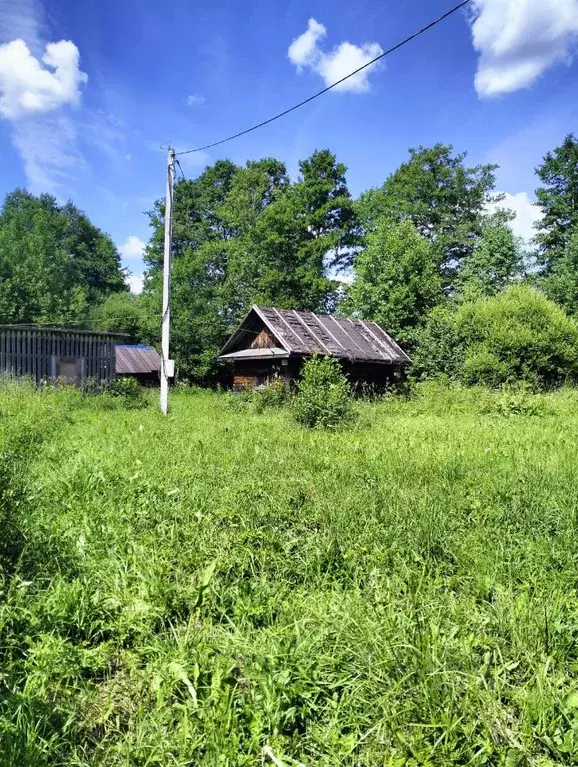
[137, 358]
[304, 333]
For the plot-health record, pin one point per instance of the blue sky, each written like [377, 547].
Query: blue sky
[86, 122]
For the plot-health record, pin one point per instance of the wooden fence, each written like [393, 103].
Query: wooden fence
[52, 354]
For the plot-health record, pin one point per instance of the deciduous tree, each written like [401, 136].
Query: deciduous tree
[444, 198]
[558, 199]
[396, 280]
[54, 263]
[496, 261]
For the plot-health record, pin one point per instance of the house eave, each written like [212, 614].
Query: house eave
[256, 354]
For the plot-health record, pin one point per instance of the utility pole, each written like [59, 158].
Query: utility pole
[167, 365]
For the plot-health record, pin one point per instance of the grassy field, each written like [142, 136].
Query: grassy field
[224, 588]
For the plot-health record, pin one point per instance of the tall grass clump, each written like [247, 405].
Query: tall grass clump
[324, 396]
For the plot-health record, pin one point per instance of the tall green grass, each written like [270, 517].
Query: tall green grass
[223, 587]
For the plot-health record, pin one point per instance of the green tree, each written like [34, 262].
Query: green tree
[200, 317]
[324, 205]
[561, 285]
[119, 313]
[497, 260]
[558, 200]
[442, 196]
[196, 213]
[54, 263]
[396, 280]
[94, 256]
[287, 236]
[439, 349]
[267, 241]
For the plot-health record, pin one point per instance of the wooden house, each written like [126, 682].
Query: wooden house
[274, 342]
[55, 354]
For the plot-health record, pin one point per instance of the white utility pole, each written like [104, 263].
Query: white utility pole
[167, 365]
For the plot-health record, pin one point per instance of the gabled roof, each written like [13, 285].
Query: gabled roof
[305, 333]
[137, 358]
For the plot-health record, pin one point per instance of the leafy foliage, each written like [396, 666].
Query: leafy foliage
[129, 392]
[324, 398]
[517, 400]
[396, 281]
[497, 260]
[517, 335]
[442, 196]
[277, 393]
[561, 284]
[557, 197]
[54, 263]
[440, 349]
[247, 235]
[119, 313]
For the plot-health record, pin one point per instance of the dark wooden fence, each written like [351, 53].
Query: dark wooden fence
[54, 354]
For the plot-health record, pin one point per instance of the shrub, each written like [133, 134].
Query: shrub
[324, 398]
[516, 336]
[128, 392]
[518, 400]
[276, 394]
[439, 350]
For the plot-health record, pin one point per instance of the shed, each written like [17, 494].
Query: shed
[273, 342]
[138, 361]
[52, 354]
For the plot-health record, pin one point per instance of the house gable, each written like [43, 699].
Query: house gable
[253, 335]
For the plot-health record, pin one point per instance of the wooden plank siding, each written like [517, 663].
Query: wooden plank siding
[38, 353]
[264, 340]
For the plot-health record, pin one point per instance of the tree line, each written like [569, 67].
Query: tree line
[416, 253]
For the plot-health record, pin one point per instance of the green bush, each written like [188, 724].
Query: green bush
[128, 392]
[439, 349]
[276, 394]
[324, 398]
[516, 336]
[517, 400]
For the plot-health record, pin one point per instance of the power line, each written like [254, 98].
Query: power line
[180, 167]
[334, 85]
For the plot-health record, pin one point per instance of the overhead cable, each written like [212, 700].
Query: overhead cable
[333, 85]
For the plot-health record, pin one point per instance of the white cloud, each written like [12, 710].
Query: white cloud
[136, 283]
[132, 248]
[345, 278]
[36, 82]
[195, 100]
[49, 152]
[128, 156]
[527, 214]
[27, 87]
[518, 40]
[305, 51]
[26, 20]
